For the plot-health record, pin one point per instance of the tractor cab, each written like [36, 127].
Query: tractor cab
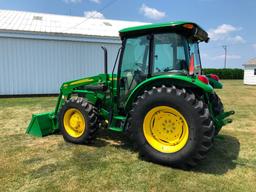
[162, 49]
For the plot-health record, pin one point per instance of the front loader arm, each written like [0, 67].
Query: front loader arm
[47, 123]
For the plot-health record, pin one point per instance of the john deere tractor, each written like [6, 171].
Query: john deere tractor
[158, 96]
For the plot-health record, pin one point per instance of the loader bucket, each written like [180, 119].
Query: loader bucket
[42, 124]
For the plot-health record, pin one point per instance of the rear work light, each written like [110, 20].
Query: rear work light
[203, 79]
[188, 26]
[215, 77]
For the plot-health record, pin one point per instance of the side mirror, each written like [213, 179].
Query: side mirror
[191, 65]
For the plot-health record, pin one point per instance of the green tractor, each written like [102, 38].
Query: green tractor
[156, 93]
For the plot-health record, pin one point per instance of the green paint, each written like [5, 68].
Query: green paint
[154, 26]
[118, 117]
[215, 84]
[117, 129]
[108, 101]
[42, 124]
[222, 119]
[168, 79]
[117, 123]
[197, 31]
[104, 113]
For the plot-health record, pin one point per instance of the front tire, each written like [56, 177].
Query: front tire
[78, 121]
[170, 126]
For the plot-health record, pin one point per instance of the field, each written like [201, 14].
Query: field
[50, 164]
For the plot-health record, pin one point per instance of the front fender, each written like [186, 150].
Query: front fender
[215, 84]
[181, 80]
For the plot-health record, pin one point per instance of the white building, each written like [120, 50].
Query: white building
[250, 72]
[40, 51]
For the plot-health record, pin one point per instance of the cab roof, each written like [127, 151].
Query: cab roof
[175, 26]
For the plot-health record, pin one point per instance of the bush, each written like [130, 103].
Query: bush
[226, 73]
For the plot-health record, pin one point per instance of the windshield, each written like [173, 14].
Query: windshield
[170, 53]
[194, 49]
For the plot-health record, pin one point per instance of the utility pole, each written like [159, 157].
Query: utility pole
[225, 47]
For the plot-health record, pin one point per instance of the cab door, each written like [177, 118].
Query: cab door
[134, 66]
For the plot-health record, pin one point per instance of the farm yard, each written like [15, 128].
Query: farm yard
[50, 164]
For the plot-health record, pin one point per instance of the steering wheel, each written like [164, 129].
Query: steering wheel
[140, 65]
[167, 69]
[129, 70]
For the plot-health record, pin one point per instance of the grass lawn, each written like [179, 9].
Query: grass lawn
[50, 164]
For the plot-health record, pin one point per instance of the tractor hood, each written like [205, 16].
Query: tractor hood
[71, 85]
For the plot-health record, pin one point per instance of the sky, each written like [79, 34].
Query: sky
[229, 23]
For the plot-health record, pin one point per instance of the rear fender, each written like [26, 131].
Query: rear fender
[167, 80]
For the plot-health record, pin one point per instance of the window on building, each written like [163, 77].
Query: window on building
[254, 71]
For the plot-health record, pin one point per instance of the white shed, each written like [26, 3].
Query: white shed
[250, 72]
[40, 51]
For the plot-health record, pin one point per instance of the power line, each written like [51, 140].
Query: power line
[100, 10]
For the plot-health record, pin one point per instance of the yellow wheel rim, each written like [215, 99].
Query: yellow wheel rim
[74, 122]
[165, 129]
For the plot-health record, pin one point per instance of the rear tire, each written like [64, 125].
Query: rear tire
[195, 113]
[78, 121]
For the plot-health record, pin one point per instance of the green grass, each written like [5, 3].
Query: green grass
[50, 164]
